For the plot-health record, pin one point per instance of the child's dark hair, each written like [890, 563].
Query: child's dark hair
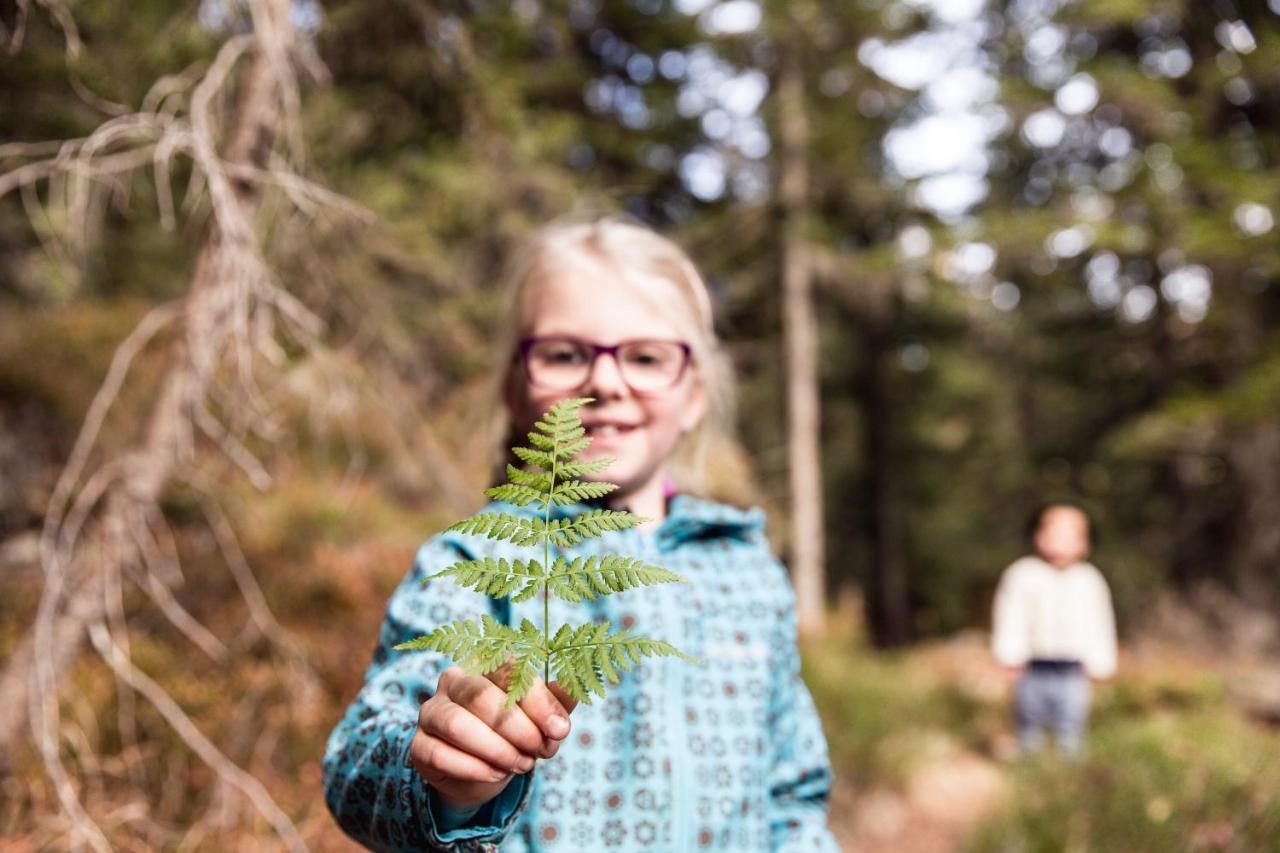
[1037, 516]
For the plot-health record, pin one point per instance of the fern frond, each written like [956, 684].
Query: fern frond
[576, 468]
[573, 448]
[541, 441]
[526, 663]
[516, 494]
[502, 526]
[587, 657]
[560, 432]
[587, 577]
[478, 648]
[570, 531]
[569, 492]
[533, 457]
[539, 480]
[496, 578]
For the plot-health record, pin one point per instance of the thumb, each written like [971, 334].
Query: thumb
[566, 700]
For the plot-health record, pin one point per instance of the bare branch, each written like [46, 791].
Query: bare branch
[226, 769]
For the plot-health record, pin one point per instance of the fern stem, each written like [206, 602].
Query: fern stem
[546, 560]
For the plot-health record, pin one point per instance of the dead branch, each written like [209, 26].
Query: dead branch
[101, 522]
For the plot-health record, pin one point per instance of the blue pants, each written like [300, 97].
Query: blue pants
[1056, 699]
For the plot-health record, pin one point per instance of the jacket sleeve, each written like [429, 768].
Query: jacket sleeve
[1100, 657]
[370, 783]
[1010, 628]
[800, 770]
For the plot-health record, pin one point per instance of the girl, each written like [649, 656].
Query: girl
[1054, 629]
[725, 755]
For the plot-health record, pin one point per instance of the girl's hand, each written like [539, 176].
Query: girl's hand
[468, 746]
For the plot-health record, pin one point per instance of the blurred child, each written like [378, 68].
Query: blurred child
[1054, 626]
[725, 755]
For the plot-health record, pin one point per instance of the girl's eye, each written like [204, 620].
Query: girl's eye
[559, 353]
[648, 355]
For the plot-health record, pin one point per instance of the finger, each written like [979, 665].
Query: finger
[458, 726]
[566, 701]
[488, 702]
[439, 760]
[546, 711]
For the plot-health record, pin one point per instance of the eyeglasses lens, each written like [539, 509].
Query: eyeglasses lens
[566, 364]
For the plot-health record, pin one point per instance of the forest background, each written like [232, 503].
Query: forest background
[965, 256]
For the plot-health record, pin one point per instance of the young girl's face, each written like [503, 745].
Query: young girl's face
[1063, 536]
[584, 298]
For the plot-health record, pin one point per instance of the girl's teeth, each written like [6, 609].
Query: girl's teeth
[606, 430]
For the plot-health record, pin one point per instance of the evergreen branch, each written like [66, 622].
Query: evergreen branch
[502, 526]
[571, 492]
[587, 577]
[588, 657]
[496, 578]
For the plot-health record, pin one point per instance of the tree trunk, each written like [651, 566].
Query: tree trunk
[887, 603]
[1252, 562]
[147, 469]
[800, 333]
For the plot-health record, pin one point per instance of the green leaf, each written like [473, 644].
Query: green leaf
[585, 658]
[496, 578]
[573, 448]
[533, 457]
[502, 526]
[478, 649]
[540, 480]
[560, 430]
[541, 441]
[576, 467]
[516, 494]
[526, 664]
[588, 657]
[571, 491]
[570, 531]
[587, 577]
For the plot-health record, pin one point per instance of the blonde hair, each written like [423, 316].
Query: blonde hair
[642, 257]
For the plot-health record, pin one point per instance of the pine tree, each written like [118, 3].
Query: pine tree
[584, 657]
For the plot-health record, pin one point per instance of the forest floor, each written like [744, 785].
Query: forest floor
[1182, 752]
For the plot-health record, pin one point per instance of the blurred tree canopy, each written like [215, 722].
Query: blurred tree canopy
[1043, 234]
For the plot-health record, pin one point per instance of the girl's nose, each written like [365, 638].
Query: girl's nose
[605, 380]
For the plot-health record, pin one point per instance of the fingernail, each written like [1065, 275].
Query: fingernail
[550, 748]
[525, 764]
[558, 726]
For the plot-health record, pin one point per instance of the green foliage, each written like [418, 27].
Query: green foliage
[583, 657]
[588, 655]
[1192, 780]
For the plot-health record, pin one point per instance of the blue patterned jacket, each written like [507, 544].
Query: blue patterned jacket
[727, 754]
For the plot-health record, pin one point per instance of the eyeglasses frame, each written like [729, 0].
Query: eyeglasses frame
[597, 350]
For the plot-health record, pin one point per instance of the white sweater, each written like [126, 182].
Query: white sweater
[1055, 614]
